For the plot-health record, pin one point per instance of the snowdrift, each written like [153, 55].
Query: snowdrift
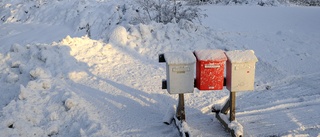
[81, 68]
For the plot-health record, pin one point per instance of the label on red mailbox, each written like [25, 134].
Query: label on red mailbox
[208, 66]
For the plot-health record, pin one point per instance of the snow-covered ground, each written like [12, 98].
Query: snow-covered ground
[285, 39]
[57, 81]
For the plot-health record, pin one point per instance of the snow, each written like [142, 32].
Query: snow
[239, 56]
[179, 58]
[82, 68]
[234, 125]
[237, 128]
[205, 55]
[119, 36]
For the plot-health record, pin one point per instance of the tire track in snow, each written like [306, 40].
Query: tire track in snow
[282, 110]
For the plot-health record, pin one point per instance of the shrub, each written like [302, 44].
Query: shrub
[165, 11]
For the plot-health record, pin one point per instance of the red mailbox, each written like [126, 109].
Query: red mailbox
[210, 69]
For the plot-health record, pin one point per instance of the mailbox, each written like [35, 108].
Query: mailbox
[240, 70]
[210, 69]
[180, 72]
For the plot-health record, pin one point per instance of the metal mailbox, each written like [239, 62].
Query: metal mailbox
[210, 69]
[180, 72]
[240, 70]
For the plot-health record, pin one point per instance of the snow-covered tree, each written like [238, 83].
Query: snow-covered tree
[165, 11]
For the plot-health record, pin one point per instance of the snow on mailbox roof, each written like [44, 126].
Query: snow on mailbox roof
[205, 55]
[179, 58]
[240, 56]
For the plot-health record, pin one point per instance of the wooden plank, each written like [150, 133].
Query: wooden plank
[183, 132]
[226, 107]
[232, 106]
[225, 125]
[180, 109]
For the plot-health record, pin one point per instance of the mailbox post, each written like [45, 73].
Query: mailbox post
[240, 77]
[180, 77]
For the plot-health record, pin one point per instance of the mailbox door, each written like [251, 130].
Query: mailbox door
[210, 75]
[241, 76]
[180, 78]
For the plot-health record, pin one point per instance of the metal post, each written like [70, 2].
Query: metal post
[232, 106]
[180, 109]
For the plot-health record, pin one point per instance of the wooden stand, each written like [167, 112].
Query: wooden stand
[180, 117]
[181, 114]
[230, 105]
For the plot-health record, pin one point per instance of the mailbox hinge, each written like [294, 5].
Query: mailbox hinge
[161, 58]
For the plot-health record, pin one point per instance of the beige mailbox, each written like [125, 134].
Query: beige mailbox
[240, 70]
[180, 72]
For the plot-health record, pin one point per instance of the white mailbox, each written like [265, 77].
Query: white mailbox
[240, 70]
[180, 72]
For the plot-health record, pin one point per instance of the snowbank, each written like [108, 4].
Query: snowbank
[79, 68]
[44, 106]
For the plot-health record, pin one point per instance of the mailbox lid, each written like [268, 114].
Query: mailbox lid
[241, 56]
[210, 55]
[179, 58]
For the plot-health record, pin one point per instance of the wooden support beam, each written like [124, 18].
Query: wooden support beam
[232, 100]
[225, 125]
[180, 109]
[221, 115]
[226, 107]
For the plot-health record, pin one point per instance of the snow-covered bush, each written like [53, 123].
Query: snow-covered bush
[240, 2]
[256, 2]
[165, 11]
[119, 36]
[306, 2]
